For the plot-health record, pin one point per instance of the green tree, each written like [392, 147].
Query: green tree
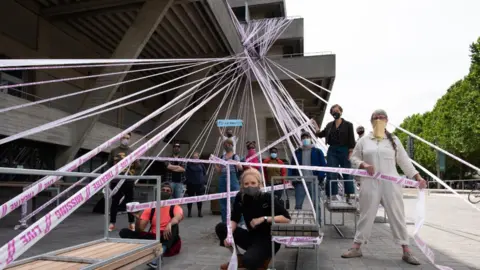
[453, 124]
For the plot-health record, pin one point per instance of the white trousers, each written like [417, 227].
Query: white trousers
[374, 192]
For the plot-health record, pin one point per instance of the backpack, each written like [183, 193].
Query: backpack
[175, 243]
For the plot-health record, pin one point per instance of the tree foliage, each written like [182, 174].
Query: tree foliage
[453, 124]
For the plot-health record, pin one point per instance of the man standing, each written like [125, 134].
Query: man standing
[360, 131]
[271, 172]
[126, 190]
[339, 136]
[307, 155]
[176, 173]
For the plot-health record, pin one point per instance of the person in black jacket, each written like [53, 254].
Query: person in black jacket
[339, 135]
[127, 189]
[256, 208]
[195, 183]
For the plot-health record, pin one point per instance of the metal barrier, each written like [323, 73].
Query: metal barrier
[340, 207]
[133, 252]
[23, 223]
[293, 229]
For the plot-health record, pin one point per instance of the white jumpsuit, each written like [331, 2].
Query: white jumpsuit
[381, 155]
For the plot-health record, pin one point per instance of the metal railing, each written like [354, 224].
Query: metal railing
[94, 264]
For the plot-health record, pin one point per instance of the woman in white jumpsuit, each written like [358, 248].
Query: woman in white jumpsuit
[380, 151]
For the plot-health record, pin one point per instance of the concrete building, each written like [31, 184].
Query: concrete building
[132, 29]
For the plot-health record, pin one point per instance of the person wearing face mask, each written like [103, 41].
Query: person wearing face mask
[176, 173]
[271, 172]
[229, 136]
[222, 182]
[339, 136]
[256, 208]
[251, 152]
[360, 132]
[307, 155]
[195, 183]
[170, 218]
[126, 190]
[381, 152]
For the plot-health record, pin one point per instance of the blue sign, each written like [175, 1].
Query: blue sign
[441, 161]
[230, 123]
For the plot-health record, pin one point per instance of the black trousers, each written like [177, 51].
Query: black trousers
[258, 248]
[125, 190]
[195, 190]
[129, 234]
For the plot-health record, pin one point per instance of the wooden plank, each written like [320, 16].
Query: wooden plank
[84, 251]
[48, 265]
[144, 255]
[102, 250]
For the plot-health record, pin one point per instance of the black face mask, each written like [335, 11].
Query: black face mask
[165, 195]
[360, 133]
[336, 115]
[229, 135]
[252, 192]
[176, 151]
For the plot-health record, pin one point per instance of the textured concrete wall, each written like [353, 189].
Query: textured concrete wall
[26, 35]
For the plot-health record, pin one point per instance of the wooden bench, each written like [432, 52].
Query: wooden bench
[302, 224]
[101, 254]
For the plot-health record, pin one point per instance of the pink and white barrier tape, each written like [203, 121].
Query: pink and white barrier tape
[22, 242]
[297, 241]
[43, 183]
[135, 207]
[395, 179]
[419, 220]
[359, 172]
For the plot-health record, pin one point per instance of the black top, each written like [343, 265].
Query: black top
[341, 136]
[255, 208]
[195, 173]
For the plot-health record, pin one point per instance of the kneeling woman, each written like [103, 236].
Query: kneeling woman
[256, 208]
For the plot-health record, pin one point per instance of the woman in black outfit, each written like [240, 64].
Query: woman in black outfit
[256, 208]
[195, 183]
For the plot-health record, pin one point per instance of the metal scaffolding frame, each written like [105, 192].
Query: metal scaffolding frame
[315, 199]
[94, 263]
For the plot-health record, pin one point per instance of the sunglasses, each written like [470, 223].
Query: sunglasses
[379, 117]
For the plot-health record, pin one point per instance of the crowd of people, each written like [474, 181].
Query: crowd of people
[251, 216]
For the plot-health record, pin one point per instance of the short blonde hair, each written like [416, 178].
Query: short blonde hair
[251, 172]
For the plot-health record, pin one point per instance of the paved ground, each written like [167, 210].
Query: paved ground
[452, 229]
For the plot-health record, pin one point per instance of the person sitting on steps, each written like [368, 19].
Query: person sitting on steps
[170, 217]
[256, 208]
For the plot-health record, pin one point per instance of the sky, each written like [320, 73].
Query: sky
[400, 56]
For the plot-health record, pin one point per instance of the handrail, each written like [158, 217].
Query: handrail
[5, 170]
